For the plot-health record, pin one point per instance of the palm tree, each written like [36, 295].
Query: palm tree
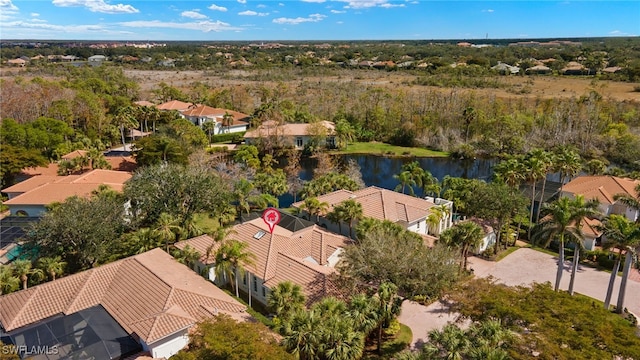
[231, 259]
[167, 229]
[227, 120]
[619, 233]
[466, 236]
[562, 221]
[406, 178]
[22, 269]
[241, 192]
[52, 266]
[449, 343]
[303, 335]
[438, 213]
[209, 127]
[568, 163]
[387, 305]
[535, 169]
[336, 216]
[285, 298]
[351, 211]
[629, 200]
[511, 172]
[314, 207]
[547, 163]
[363, 312]
[189, 256]
[125, 119]
[8, 282]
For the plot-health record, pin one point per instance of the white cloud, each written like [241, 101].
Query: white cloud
[52, 27]
[488, 10]
[388, 5]
[261, 6]
[280, 4]
[242, 1]
[193, 15]
[314, 1]
[34, 14]
[299, 20]
[98, 6]
[215, 7]
[338, 11]
[361, 4]
[252, 13]
[7, 5]
[204, 26]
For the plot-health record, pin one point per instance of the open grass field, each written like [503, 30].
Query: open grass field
[378, 148]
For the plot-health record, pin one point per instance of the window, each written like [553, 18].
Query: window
[264, 291]
[299, 142]
[259, 235]
[244, 279]
[418, 227]
[255, 284]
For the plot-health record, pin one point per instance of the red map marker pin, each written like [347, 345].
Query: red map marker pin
[271, 217]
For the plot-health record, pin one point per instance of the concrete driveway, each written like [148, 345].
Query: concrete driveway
[522, 267]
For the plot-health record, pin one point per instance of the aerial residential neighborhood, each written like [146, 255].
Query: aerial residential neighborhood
[319, 200]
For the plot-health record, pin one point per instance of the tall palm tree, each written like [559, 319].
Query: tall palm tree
[562, 221]
[336, 217]
[437, 215]
[125, 119]
[52, 266]
[23, 269]
[405, 178]
[351, 211]
[535, 169]
[387, 307]
[314, 207]
[227, 120]
[167, 229]
[209, 127]
[303, 335]
[241, 192]
[547, 163]
[511, 172]
[189, 256]
[465, 236]
[231, 259]
[285, 298]
[619, 233]
[568, 163]
[363, 312]
[8, 281]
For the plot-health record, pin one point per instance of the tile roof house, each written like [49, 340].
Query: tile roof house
[603, 188]
[30, 197]
[200, 114]
[154, 298]
[305, 257]
[297, 135]
[407, 211]
[174, 105]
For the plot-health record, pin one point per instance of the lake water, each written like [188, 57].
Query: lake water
[379, 170]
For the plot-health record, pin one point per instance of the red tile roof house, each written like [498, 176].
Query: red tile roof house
[201, 114]
[296, 135]
[152, 297]
[174, 105]
[407, 211]
[306, 257]
[602, 188]
[30, 197]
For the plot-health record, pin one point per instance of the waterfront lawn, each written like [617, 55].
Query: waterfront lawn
[378, 148]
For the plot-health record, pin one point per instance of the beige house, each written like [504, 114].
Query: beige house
[147, 302]
[407, 211]
[201, 114]
[296, 135]
[302, 253]
[30, 197]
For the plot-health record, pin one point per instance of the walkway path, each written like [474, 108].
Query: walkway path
[522, 267]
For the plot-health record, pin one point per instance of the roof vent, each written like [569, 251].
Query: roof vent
[259, 235]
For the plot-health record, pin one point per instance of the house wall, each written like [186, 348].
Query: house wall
[259, 292]
[589, 243]
[169, 346]
[30, 210]
[488, 241]
[419, 227]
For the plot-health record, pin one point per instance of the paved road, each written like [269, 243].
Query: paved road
[522, 267]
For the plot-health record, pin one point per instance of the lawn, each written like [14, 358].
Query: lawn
[391, 346]
[378, 148]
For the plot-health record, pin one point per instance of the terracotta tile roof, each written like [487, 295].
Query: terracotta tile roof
[271, 128]
[381, 204]
[589, 228]
[32, 183]
[601, 187]
[118, 163]
[150, 295]
[174, 105]
[301, 256]
[207, 111]
[201, 244]
[74, 154]
[144, 103]
[60, 188]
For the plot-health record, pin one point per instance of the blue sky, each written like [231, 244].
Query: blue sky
[219, 20]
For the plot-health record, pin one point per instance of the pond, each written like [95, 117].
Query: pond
[379, 170]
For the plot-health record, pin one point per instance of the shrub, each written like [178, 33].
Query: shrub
[232, 137]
